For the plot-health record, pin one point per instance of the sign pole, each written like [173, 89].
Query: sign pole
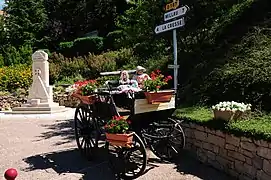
[175, 60]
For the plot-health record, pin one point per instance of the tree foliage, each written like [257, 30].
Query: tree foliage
[25, 22]
[135, 28]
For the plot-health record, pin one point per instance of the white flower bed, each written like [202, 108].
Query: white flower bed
[232, 106]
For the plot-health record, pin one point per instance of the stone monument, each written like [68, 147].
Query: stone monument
[40, 99]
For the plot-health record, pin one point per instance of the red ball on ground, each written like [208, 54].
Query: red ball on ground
[11, 174]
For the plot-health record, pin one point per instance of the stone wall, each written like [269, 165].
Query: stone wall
[241, 157]
[9, 101]
[66, 100]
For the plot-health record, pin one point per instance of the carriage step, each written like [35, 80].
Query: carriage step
[123, 110]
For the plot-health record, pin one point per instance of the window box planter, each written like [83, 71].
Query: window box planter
[124, 140]
[85, 99]
[159, 96]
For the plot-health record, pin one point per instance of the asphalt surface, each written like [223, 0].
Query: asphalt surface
[42, 147]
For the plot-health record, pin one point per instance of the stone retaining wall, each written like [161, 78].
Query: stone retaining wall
[241, 157]
[8, 101]
[66, 100]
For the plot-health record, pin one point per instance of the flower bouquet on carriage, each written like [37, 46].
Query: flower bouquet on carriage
[83, 90]
[152, 88]
[117, 132]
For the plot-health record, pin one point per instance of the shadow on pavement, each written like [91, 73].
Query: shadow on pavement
[62, 128]
[71, 161]
[188, 164]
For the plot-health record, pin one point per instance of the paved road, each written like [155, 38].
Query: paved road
[43, 148]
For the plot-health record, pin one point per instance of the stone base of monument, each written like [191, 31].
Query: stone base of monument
[41, 109]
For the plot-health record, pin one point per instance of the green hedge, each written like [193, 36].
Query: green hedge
[81, 46]
[66, 48]
[257, 126]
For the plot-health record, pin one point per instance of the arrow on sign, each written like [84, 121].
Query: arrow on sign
[169, 26]
[176, 13]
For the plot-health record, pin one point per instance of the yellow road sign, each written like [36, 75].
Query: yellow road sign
[173, 5]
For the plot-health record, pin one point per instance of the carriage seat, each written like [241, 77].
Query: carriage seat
[112, 84]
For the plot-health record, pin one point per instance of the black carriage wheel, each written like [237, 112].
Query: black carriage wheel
[170, 147]
[85, 129]
[129, 163]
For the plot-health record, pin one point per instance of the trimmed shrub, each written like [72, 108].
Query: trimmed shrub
[66, 48]
[83, 46]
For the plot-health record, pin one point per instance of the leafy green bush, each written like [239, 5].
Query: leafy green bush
[100, 63]
[113, 40]
[2, 63]
[91, 65]
[247, 75]
[66, 48]
[69, 80]
[14, 77]
[54, 72]
[21, 55]
[83, 46]
[88, 66]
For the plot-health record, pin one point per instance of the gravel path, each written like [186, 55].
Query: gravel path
[43, 148]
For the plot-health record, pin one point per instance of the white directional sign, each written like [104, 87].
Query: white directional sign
[171, 66]
[169, 26]
[176, 13]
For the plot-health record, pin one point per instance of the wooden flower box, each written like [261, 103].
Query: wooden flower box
[85, 99]
[159, 96]
[124, 140]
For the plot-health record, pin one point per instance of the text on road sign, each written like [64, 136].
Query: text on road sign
[175, 4]
[170, 26]
[176, 13]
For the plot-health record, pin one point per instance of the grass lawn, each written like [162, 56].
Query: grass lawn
[256, 126]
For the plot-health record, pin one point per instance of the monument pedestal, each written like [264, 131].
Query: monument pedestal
[37, 110]
[40, 99]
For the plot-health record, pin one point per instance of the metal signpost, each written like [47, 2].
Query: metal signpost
[173, 25]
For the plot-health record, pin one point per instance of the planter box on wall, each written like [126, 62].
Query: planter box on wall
[229, 115]
[223, 115]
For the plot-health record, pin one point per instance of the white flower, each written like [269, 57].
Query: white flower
[228, 109]
[232, 106]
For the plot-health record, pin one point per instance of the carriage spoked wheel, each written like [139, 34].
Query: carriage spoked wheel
[85, 129]
[171, 141]
[128, 163]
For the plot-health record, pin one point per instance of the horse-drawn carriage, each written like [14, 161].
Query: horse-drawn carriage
[151, 124]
